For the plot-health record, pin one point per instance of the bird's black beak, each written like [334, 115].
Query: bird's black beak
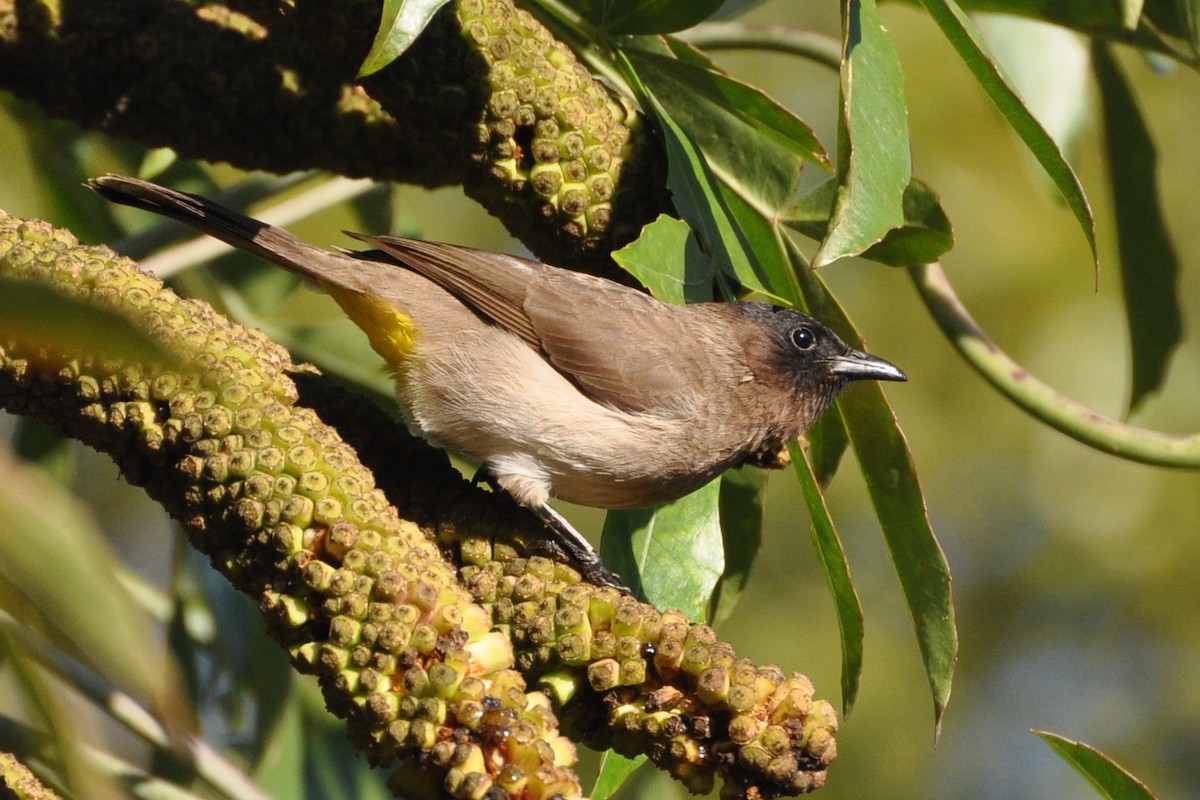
[859, 366]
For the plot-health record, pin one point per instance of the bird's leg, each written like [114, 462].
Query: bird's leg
[568, 544]
[564, 542]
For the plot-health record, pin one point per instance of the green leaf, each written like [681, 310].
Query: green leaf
[58, 575]
[1131, 12]
[737, 107]
[895, 491]
[729, 179]
[827, 442]
[964, 37]
[874, 161]
[741, 534]
[837, 573]
[654, 16]
[673, 554]
[57, 724]
[925, 235]
[1049, 67]
[400, 25]
[1161, 20]
[1149, 263]
[654, 258]
[1109, 779]
[615, 769]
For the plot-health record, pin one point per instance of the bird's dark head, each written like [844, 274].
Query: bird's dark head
[802, 353]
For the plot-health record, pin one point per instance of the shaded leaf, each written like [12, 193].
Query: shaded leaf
[654, 16]
[44, 700]
[827, 444]
[964, 37]
[58, 573]
[400, 25]
[741, 508]
[874, 161]
[924, 236]
[615, 769]
[837, 573]
[1108, 778]
[672, 555]
[668, 261]
[899, 502]
[1149, 264]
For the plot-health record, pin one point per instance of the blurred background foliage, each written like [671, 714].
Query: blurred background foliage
[1074, 572]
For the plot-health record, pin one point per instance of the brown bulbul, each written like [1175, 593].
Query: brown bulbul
[560, 384]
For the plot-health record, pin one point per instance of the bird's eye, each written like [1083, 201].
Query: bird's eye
[804, 338]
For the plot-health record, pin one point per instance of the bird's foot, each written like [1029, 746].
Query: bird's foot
[567, 544]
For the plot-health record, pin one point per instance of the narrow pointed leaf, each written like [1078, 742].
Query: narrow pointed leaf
[895, 491]
[874, 160]
[1109, 779]
[965, 38]
[827, 442]
[400, 25]
[729, 181]
[58, 563]
[837, 573]
[1149, 263]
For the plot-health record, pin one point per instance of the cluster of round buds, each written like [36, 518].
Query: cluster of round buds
[553, 140]
[641, 681]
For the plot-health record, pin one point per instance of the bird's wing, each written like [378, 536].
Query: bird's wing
[493, 284]
[621, 347]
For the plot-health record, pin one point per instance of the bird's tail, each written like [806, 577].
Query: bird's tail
[245, 233]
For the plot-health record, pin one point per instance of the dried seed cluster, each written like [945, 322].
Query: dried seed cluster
[554, 142]
[284, 509]
[641, 681]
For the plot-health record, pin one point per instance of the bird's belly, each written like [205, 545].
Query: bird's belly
[492, 398]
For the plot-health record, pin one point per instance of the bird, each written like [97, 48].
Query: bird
[559, 384]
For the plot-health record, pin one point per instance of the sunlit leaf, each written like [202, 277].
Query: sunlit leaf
[729, 181]
[615, 769]
[924, 236]
[874, 161]
[673, 554]
[1108, 778]
[667, 260]
[965, 38]
[400, 25]
[1149, 263]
